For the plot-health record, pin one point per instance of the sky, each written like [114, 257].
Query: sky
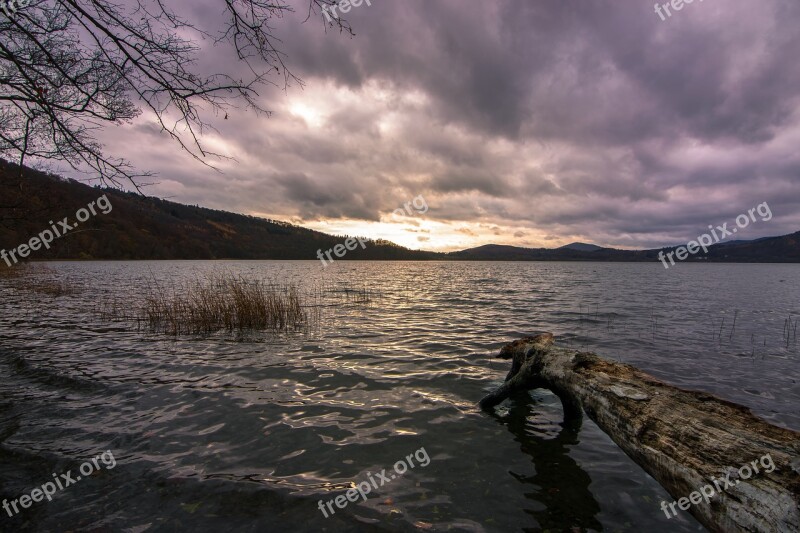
[532, 123]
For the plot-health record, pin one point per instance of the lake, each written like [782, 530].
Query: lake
[230, 432]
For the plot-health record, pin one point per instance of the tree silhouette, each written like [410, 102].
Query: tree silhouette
[69, 67]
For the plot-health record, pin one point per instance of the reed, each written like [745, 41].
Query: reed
[39, 279]
[14, 272]
[221, 302]
[50, 287]
[359, 295]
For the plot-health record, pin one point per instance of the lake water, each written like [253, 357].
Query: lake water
[219, 433]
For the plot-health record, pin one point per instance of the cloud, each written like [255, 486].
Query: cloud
[548, 120]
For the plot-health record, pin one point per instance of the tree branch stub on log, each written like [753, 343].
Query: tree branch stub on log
[682, 438]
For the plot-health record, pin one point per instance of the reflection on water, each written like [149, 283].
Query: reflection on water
[560, 487]
[248, 433]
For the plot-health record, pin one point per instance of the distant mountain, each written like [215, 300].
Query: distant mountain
[784, 249]
[581, 247]
[139, 227]
[740, 241]
[493, 252]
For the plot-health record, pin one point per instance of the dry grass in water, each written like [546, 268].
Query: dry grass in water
[49, 287]
[14, 272]
[359, 295]
[221, 302]
[38, 279]
[342, 293]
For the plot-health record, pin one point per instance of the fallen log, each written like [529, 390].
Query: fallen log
[684, 439]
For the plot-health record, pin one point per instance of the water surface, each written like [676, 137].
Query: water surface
[229, 433]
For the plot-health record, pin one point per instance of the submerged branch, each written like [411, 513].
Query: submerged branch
[682, 438]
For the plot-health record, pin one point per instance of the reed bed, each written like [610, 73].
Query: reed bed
[14, 272]
[49, 287]
[39, 279]
[339, 294]
[222, 302]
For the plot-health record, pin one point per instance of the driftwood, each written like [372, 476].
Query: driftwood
[684, 439]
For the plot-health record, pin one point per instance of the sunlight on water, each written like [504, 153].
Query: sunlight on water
[250, 431]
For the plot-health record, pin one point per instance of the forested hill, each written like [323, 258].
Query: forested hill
[139, 227]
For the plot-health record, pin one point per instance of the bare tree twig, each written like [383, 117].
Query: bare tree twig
[70, 67]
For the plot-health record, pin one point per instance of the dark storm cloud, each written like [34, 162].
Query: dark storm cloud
[588, 119]
[469, 179]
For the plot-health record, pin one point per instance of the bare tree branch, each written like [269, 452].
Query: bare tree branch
[70, 67]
